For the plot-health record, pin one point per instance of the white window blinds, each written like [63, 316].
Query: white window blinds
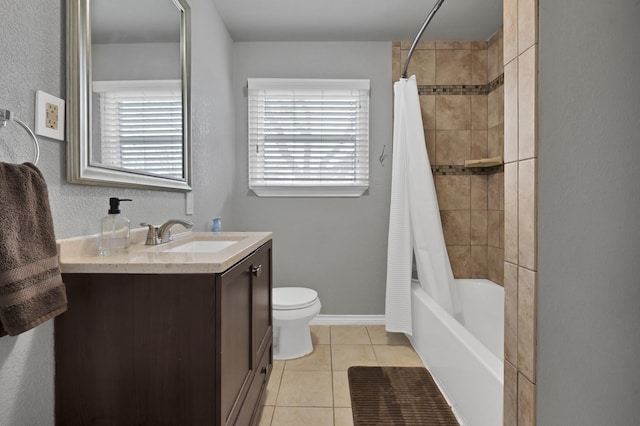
[140, 125]
[308, 137]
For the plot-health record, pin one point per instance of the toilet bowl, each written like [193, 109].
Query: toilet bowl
[293, 309]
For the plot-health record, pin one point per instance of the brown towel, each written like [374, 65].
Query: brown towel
[31, 287]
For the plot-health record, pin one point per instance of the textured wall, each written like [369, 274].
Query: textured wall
[336, 246]
[30, 60]
[588, 227]
[33, 58]
[135, 61]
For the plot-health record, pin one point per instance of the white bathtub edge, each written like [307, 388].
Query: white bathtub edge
[473, 387]
[482, 354]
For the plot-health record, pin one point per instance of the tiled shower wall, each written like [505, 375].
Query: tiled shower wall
[520, 239]
[461, 97]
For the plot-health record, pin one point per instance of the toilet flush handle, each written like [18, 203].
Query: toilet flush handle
[256, 270]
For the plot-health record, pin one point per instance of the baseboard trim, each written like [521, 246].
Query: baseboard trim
[348, 320]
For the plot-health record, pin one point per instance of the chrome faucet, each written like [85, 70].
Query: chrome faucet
[162, 234]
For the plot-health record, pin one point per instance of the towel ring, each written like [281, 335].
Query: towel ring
[6, 115]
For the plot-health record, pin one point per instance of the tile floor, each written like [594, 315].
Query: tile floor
[314, 390]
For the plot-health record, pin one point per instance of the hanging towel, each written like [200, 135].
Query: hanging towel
[31, 287]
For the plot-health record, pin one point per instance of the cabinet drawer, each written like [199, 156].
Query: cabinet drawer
[252, 406]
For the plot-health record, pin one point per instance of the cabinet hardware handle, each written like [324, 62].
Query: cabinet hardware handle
[256, 270]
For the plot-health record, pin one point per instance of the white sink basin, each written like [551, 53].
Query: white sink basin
[202, 246]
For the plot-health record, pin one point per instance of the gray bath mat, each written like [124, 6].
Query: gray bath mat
[397, 396]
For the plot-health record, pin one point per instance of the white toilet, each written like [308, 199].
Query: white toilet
[293, 309]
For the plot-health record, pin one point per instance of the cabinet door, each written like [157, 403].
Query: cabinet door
[235, 348]
[245, 336]
[262, 335]
[136, 349]
[261, 287]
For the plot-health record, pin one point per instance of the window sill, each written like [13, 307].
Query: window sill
[309, 191]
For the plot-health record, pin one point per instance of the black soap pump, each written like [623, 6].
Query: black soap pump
[114, 230]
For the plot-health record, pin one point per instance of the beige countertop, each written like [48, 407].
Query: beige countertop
[80, 254]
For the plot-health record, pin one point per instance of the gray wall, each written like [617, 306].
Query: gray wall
[33, 57]
[135, 61]
[589, 204]
[336, 246]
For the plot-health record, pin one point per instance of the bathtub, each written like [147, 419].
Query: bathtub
[464, 357]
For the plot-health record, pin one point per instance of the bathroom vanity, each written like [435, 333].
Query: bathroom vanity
[179, 334]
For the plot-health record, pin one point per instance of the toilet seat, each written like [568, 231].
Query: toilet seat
[291, 298]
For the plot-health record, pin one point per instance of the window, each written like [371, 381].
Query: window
[140, 126]
[308, 137]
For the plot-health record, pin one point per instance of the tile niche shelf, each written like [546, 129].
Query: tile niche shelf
[484, 162]
[481, 166]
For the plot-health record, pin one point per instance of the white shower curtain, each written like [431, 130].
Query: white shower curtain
[414, 219]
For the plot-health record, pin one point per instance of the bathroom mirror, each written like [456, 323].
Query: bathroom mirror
[128, 89]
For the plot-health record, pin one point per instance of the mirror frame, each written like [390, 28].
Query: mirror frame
[79, 167]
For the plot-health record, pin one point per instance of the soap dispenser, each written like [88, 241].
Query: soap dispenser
[114, 230]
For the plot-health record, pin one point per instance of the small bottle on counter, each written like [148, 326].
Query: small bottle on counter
[114, 230]
[217, 225]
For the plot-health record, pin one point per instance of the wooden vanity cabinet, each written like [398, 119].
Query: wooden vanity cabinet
[165, 349]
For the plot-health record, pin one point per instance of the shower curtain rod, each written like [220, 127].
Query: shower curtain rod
[415, 42]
